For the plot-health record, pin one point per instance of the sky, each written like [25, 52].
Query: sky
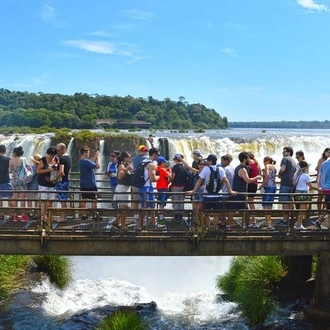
[250, 60]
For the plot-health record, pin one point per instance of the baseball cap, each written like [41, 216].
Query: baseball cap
[177, 155]
[212, 157]
[161, 159]
[197, 152]
[142, 148]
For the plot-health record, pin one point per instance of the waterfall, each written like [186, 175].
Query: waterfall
[31, 144]
[70, 146]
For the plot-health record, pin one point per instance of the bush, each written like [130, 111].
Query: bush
[251, 282]
[58, 269]
[128, 320]
[11, 268]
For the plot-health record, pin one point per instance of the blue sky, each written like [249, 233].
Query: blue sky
[250, 60]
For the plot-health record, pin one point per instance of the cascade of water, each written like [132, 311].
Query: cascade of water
[70, 146]
[102, 166]
[30, 143]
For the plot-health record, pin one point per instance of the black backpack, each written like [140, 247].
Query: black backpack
[137, 175]
[190, 183]
[213, 186]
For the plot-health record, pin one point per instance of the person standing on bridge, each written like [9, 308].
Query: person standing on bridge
[136, 161]
[5, 186]
[323, 182]
[63, 172]
[287, 170]
[240, 184]
[87, 178]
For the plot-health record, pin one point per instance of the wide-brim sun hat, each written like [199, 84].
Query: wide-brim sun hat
[36, 158]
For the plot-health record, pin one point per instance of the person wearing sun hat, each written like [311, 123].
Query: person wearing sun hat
[197, 156]
[33, 185]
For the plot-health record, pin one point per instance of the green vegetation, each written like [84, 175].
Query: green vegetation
[281, 124]
[128, 320]
[82, 111]
[251, 282]
[14, 268]
[11, 269]
[58, 269]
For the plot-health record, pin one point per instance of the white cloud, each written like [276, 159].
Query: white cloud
[139, 15]
[229, 51]
[311, 5]
[49, 15]
[101, 34]
[100, 47]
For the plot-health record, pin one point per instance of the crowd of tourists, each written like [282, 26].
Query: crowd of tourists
[211, 185]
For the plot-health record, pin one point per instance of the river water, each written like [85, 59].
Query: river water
[182, 287]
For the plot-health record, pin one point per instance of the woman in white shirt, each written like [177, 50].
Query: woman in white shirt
[302, 183]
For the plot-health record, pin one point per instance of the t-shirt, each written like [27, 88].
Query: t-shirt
[137, 160]
[4, 169]
[180, 177]
[87, 175]
[66, 161]
[205, 175]
[303, 180]
[287, 175]
[325, 175]
[162, 182]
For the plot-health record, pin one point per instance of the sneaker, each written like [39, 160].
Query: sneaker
[282, 223]
[228, 227]
[24, 218]
[317, 224]
[15, 217]
[253, 226]
[84, 218]
[155, 225]
[299, 227]
[271, 228]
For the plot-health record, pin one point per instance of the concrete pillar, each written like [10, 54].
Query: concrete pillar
[321, 307]
[322, 285]
[299, 268]
[297, 282]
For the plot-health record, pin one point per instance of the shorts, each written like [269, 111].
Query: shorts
[212, 203]
[252, 188]
[92, 194]
[8, 187]
[46, 193]
[62, 188]
[198, 196]
[147, 197]
[303, 197]
[326, 195]
[283, 190]
[238, 202]
[162, 197]
[268, 200]
[122, 196]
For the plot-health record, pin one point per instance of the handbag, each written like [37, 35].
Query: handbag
[26, 174]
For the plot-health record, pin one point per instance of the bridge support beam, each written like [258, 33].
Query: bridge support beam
[321, 306]
[297, 283]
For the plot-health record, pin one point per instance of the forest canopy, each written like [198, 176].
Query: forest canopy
[85, 111]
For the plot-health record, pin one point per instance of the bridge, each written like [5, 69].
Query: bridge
[97, 235]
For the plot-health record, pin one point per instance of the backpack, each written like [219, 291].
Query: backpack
[213, 185]
[137, 175]
[190, 183]
[26, 173]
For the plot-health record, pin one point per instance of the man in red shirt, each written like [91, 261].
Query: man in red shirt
[162, 183]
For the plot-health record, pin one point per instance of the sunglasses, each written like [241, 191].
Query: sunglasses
[202, 164]
[112, 155]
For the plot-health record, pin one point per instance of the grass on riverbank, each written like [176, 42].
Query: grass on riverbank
[122, 321]
[58, 269]
[12, 268]
[251, 282]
